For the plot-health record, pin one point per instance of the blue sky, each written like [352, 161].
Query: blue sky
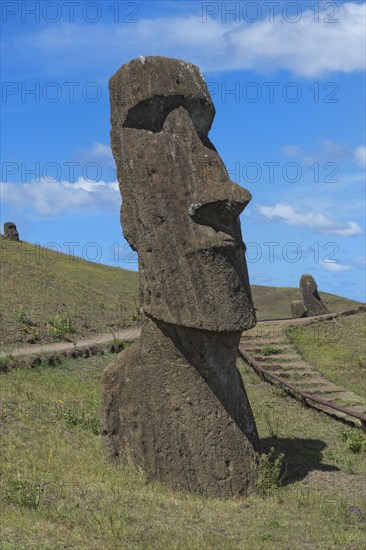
[288, 83]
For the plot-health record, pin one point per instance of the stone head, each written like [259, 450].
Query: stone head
[308, 285]
[10, 231]
[180, 210]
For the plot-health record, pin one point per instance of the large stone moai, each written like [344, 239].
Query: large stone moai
[310, 296]
[174, 403]
[298, 309]
[10, 231]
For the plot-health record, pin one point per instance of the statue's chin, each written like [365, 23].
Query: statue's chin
[246, 322]
[205, 291]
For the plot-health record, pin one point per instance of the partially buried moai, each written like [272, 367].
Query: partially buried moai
[310, 296]
[10, 231]
[298, 309]
[174, 403]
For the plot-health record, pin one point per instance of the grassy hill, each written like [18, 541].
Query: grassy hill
[275, 302]
[336, 348]
[46, 296]
[59, 492]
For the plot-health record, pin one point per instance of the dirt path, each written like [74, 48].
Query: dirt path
[127, 335]
[267, 343]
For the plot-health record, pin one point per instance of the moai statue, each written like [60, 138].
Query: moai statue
[310, 296]
[10, 231]
[298, 310]
[174, 403]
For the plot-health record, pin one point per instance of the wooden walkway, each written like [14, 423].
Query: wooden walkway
[273, 356]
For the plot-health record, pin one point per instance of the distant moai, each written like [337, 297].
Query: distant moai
[310, 296]
[298, 309]
[10, 231]
[174, 403]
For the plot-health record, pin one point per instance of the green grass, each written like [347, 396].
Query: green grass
[49, 296]
[270, 350]
[337, 349]
[59, 492]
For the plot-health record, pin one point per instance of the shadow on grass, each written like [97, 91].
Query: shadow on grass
[301, 456]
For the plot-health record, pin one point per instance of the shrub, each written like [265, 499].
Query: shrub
[82, 420]
[22, 493]
[270, 472]
[23, 315]
[355, 440]
[136, 313]
[59, 326]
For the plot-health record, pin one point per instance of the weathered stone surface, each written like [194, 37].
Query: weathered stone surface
[180, 209]
[310, 296]
[10, 231]
[174, 403]
[298, 310]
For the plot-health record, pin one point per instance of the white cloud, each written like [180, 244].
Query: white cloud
[360, 156]
[331, 265]
[98, 153]
[346, 229]
[317, 48]
[296, 152]
[304, 47]
[291, 151]
[329, 150]
[327, 226]
[52, 198]
[335, 151]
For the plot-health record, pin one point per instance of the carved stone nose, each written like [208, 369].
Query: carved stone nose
[221, 211]
[223, 199]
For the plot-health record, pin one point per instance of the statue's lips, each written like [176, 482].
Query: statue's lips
[222, 241]
[232, 246]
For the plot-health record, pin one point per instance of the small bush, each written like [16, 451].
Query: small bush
[81, 420]
[270, 472]
[23, 315]
[136, 313]
[22, 493]
[59, 326]
[25, 323]
[355, 440]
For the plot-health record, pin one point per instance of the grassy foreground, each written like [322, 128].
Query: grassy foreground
[337, 349]
[58, 491]
[49, 296]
